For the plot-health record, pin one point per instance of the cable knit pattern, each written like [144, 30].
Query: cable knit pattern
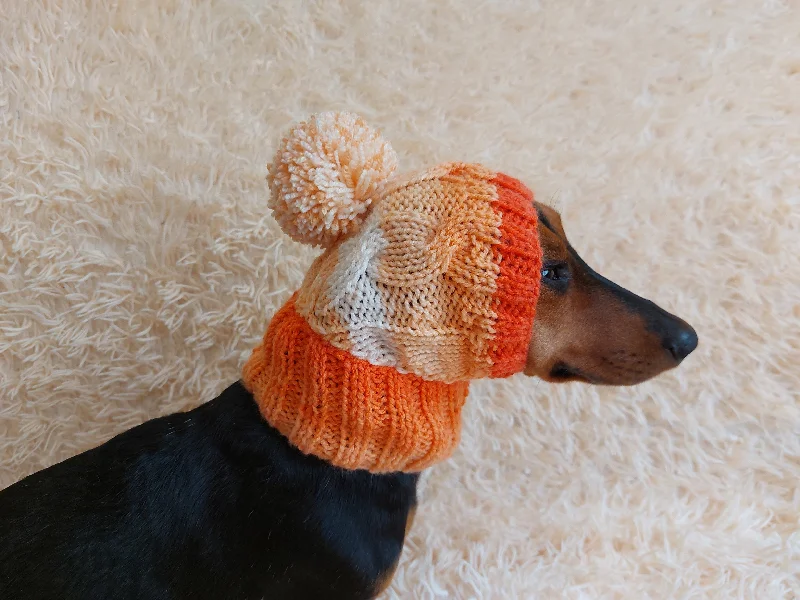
[426, 283]
[441, 281]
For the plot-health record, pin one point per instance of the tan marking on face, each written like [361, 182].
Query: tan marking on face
[586, 331]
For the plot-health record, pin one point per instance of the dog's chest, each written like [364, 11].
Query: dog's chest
[336, 541]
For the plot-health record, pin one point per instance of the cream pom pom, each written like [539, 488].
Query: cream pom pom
[325, 175]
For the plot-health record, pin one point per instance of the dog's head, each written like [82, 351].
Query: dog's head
[589, 329]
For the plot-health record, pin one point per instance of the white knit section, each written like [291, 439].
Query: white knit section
[355, 297]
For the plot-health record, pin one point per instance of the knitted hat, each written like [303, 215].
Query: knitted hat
[426, 282]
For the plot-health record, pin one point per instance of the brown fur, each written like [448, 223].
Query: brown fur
[591, 330]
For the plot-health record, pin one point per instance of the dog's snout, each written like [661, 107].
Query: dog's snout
[677, 337]
[681, 342]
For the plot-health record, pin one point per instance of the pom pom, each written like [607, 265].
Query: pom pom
[325, 176]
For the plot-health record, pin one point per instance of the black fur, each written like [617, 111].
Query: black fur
[213, 503]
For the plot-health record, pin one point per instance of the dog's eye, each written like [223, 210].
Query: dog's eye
[555, 272]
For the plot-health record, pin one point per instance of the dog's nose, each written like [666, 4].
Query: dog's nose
[681, 343]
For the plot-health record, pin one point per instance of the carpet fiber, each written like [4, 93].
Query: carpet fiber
[139, 263]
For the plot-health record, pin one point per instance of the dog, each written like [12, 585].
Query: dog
[214, 503]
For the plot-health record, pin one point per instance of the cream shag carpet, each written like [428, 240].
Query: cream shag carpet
[139, 264]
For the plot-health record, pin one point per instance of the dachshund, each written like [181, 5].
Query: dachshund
[214, 503]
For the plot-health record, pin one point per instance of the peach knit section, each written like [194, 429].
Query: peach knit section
[343, 409]
[414, 288]
[438, 273]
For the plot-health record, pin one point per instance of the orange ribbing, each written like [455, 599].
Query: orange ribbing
[520, 260]
[345, 410]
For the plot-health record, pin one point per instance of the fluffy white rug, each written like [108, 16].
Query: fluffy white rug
[139, 264]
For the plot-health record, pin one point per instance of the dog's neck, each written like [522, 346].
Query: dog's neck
[342, 409]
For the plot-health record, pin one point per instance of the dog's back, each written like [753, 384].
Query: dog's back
[212, 503]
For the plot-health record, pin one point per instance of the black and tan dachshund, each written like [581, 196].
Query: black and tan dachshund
[215, 504]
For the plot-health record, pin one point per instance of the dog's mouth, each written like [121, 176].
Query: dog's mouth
[563, 372]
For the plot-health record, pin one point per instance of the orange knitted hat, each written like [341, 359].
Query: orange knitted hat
[426, 282]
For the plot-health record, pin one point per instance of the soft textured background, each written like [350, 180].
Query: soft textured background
[139, 264]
